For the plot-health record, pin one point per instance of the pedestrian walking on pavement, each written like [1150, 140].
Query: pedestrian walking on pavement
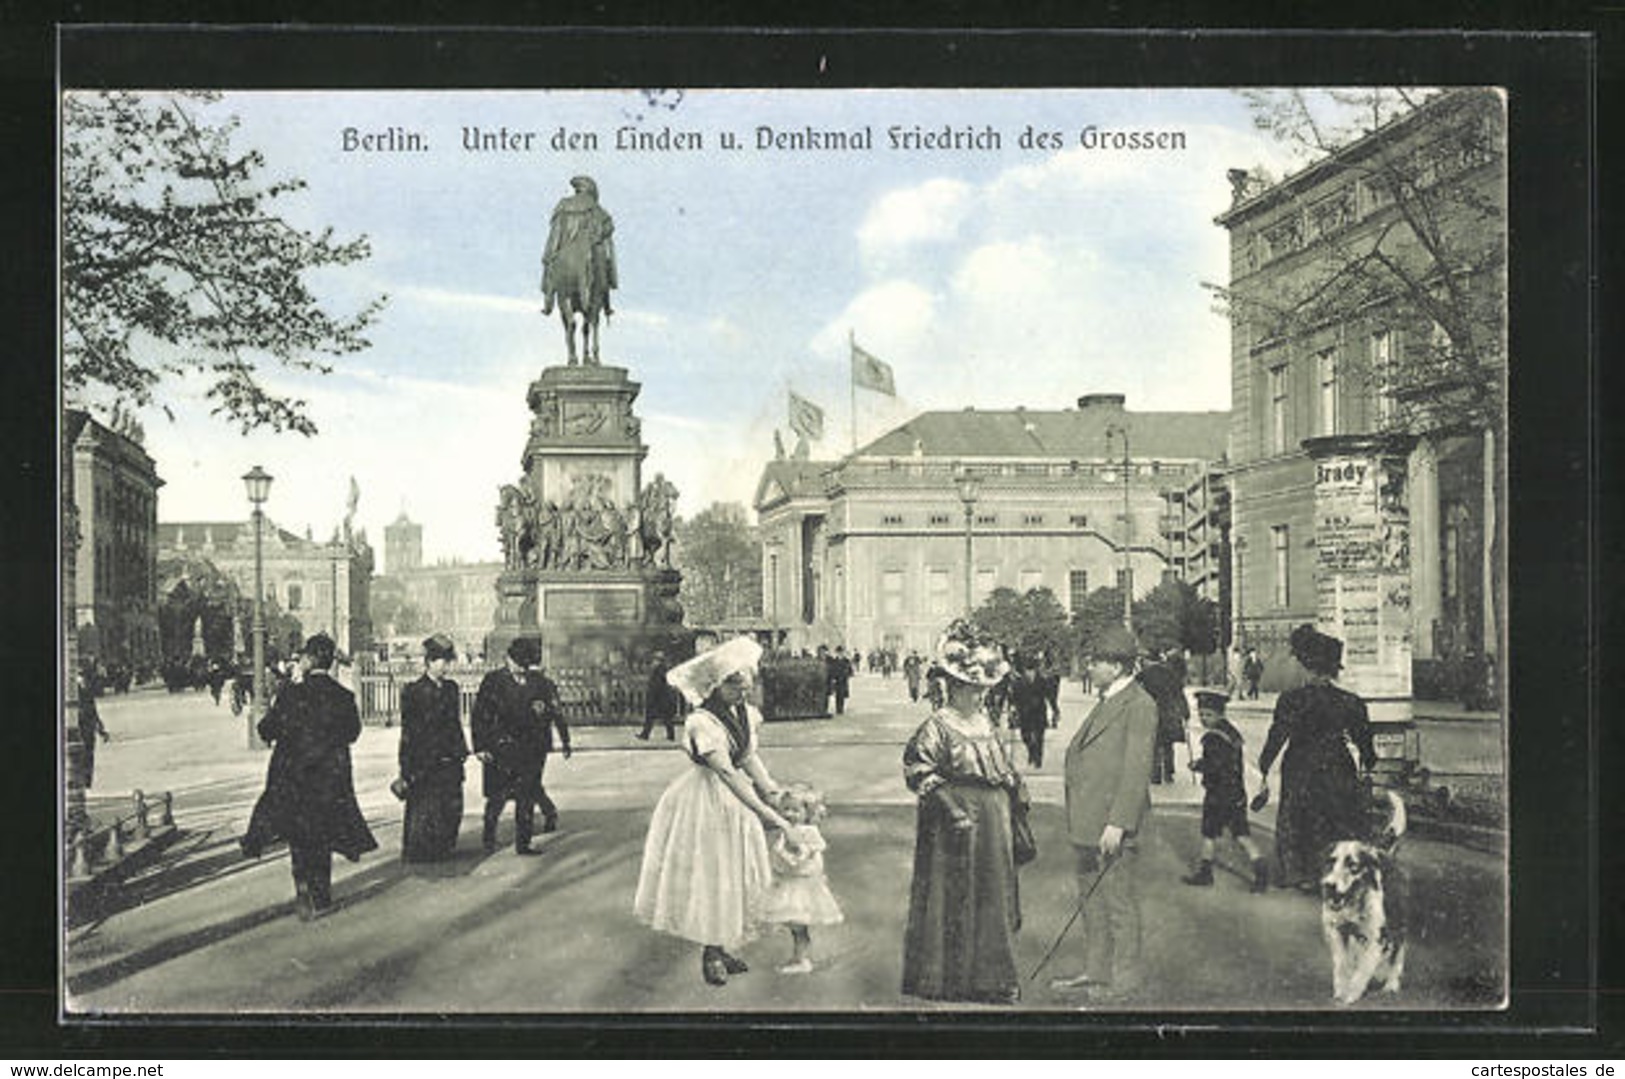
[1108, 801]
[913, 667]
[432, 753]
[1323, 798]
[91, 726]
[706, 869]
[839, 670]
[515, 711]
[800, 897]
[1029, 700]
[661, 703]
[964, 907]
[1252, 669]
[1224, 792]
[1164, 679]
[309, 798]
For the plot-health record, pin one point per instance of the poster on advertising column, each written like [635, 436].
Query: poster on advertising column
[1362, 562]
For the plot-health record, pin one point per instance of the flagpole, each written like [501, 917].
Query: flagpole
[852, 383]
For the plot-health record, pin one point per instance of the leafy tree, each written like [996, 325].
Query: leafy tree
[1101, 608]
[1172, 615]
[174, 262]
[720, 556]
[1031, 623]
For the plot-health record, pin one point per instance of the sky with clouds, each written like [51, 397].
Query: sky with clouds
[993, 278]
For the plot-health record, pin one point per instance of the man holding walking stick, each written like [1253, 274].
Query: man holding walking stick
[1108, 772]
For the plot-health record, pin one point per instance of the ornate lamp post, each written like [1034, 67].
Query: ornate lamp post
[258, 483]
[1128, 525]
[968, 491]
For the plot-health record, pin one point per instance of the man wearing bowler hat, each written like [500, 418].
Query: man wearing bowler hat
[309, 797]
[515, 711]
[1108, 798]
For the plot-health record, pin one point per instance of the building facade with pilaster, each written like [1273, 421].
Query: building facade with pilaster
[883, 548]
[1362, 487]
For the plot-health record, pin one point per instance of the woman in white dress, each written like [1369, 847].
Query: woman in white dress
[706, 870]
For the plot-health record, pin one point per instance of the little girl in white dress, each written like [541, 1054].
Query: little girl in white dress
[800, 896]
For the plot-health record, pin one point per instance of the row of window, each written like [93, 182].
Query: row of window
[1076, 520]
[1329, 392]
[941, 597]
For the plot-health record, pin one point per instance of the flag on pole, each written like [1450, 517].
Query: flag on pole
[806, 418]
[871, 373]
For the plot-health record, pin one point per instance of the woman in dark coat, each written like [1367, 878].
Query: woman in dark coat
[432, 753]
[963, 909]
[1322, 796]
[309, 797]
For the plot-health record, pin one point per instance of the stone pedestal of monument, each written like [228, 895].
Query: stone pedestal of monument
[588, 547]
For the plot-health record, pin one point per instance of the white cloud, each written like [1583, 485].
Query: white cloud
[899, 220]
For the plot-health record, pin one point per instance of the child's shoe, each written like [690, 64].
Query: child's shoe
[800, 966]
[1203, 876]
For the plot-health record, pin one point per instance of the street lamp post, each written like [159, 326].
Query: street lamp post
[1128, 525]
[968, 494]
[258, 482]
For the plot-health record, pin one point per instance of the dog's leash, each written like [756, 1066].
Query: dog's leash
[1076, 911]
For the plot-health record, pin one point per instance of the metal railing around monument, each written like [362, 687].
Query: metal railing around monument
[588, 697]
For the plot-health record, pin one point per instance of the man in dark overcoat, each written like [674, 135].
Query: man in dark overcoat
[838, 671]
[1164, 679]
[661, 703]
[432, 752]
[309, 797]
[515, 712]
[1029, 700]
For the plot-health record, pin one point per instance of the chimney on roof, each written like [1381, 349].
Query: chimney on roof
[1104, 402]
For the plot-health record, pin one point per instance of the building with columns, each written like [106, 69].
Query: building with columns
[326, 586]
[1362, 480]
[114, 487]
[881, 549]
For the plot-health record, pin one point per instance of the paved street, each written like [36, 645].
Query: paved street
[205, 931]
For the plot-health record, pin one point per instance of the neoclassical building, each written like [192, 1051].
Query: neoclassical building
[115, 585]
[326, 586]
[1361, 475]
[453, 597]
[881, 549]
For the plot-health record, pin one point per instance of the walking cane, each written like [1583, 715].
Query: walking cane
[1076, 911]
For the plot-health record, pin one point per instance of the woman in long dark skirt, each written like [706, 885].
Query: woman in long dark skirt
[432, 752]
[1322, 797]
[964, 908]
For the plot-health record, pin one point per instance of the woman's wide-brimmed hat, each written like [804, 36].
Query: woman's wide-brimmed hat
[439, 646]
[699, 677]
[968, 655]
[1317, 651]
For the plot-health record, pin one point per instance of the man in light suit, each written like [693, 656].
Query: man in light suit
[1108, 797]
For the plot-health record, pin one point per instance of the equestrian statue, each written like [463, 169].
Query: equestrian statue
[578, 267]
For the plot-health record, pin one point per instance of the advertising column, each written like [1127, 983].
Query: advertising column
[1363, 561]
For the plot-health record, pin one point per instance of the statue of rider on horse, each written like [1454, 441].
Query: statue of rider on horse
[578, 267]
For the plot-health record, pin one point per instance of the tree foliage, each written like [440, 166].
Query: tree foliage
[1101, 608]
[1173, 616]
[721, 560]
[1030, 623]
[174, 263]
